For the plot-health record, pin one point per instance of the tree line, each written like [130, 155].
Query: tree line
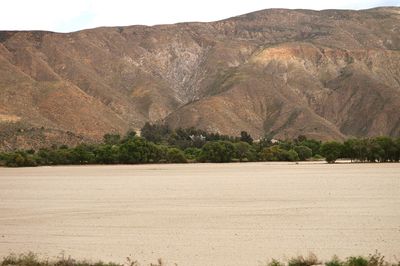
[161, 144]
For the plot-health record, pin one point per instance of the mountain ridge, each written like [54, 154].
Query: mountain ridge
[276, 71]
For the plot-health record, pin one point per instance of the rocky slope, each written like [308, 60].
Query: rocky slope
[324, 74]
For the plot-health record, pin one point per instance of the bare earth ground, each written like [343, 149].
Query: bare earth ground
[201, 214]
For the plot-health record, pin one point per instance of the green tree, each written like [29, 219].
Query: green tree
[349, 149]
[276, 153]
[218, 152]
[244, 151]
[187, 137]
[192, 153]
[374, 151]
[270, 153]
[82, 154]
[388, 149]
[286, 145]
[245, 137]
[137, 150]
[156, 133]
[106, 154]
[356, 149]
[313, 144]
[303, 152]
[397, 154]
[175, 155]
[300, 139]
[111, 139]
[20, 159]
[157, 152]
[262, 143]
[60, 156]
[291, 156]
[3, 157]
[331, 151]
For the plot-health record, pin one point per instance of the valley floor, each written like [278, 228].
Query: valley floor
[201, 214]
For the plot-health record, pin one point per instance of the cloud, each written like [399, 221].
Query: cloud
[63, 15]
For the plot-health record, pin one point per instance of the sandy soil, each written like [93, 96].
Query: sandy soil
[201, 214]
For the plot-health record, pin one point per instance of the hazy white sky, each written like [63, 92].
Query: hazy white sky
[72, 15]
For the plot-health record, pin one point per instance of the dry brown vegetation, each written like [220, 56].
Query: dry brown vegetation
[30, 259]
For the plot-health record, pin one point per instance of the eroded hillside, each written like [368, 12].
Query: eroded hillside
[323, 74]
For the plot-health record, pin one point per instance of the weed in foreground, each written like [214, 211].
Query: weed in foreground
[31, 259]
[310, 260]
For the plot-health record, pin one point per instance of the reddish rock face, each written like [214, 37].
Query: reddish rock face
[323, 74]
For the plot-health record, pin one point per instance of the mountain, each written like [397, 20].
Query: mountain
[324, 74]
